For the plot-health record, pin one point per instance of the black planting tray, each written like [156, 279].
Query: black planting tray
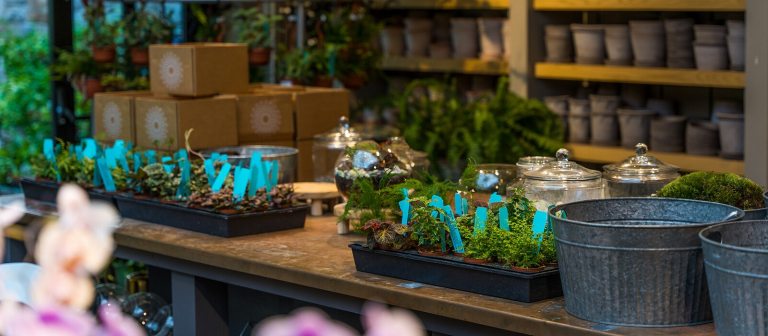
[210, 222]
[451, 272]
[45, 191]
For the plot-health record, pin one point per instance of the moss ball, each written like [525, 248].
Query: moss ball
[726, 188]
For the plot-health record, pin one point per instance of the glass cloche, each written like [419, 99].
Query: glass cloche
[562, 181]
[327, 148]
[640, 175]
[367, 159]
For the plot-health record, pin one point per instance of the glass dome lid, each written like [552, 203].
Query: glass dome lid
[562, 170]
[640, 167]
[341, 135]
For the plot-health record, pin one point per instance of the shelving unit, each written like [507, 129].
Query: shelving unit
[638, 75]
[641, 5]
[443, 4]
[686, 162]
[464, 66]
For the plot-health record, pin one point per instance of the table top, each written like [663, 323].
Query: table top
[319, 258]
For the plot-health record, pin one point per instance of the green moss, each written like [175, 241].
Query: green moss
[726, 188]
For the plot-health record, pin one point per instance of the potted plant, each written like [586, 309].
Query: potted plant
[80, 69]
[294, 67]
[725, 188]
[254, 28]
[143, 28]
[100, 35]
[323, 65]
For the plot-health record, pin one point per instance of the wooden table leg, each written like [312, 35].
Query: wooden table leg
[199, 306]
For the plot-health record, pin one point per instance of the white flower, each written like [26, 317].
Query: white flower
[156, 124]
[112, 120]
[380, 321]
[171, 71]
[265, 117]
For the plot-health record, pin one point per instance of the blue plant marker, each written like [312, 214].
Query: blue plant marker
[79, 152]
[405, 207]
[210, 171]
[185, 168]
[90, 149]
[136, 162]
[539, 224]
[481, 215]
[242, 177]
[109, 158]
[405, 193]
[436, 202]
[495, 198]
[219, 182]
[106, 174]
[151, 156]
[97, 180]
[457, 204]
[504, 218]
[464, 206]
[255, 167]
[453, 230]
[275, 172]
[167, 166]
[215, 156]
[48, 150]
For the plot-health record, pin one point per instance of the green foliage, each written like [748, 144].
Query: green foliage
[726, 188]
[143, 27]
[25, 118]
[499, 128]
[156, 182]
[253, 27]
[79, 63]
[208, 28]
[294, 64]
[426, 230]
[100, 32]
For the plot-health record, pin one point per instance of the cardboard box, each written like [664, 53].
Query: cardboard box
[316, 110]
[306, 168]
[161, 122]
[198, 69]
[113, 114]
[265, 116]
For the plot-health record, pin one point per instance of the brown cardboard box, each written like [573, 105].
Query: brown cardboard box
[160, 122]
[306, 169]
[264, 116]
[113, 114]
[198, 69]
[316, 110]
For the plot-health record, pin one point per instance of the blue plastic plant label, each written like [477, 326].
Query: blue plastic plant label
[109, 158]
[151, 156]
[457, 204]
[504, 218]
[79, 152]
[136, 162]
[495, 198]
[106, 174]
[464, 206]
[405, 207]
[539, 224]
[210, 171]
[405, 193]
[221, 177]
[167, 165]
[48, 150]
[91, 149]
[453, 230]
[481, 215]
[255, 167]
[242, 176]
[97, 181]
[436, 202]
[275, 172]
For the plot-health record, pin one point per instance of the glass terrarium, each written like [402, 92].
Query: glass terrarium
[562, 181]
[495, 177]
[641, 175]
[525, 164]
[328, 147]
[366, 159]
[418, 161]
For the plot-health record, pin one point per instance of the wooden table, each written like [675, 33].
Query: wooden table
[315, 265]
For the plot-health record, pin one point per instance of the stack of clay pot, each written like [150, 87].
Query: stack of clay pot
[589, 43]
[464, 37]
[667, 130]
[679, 43]
[558, 43]
[491, 40]
[392, 43]
[617, 45]
[604, 124]
[729, 115]
[440, 48]
[648, 43]
[710, 47]
[736, 44]
[578, 120]
[418, 35]
[559, 106]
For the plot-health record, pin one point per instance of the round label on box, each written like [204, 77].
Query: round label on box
[171, 71]
[112, 120]
[265, 117]
[156, 124]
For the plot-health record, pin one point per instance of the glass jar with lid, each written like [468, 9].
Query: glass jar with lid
[368, 160]
[531, 163]
[328, 147]
[640, 175]
[562, 181]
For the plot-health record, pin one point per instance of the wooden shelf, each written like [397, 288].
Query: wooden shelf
[686, 162]
[442, 4]
[466, 66]
[641, 5]
[630, 74]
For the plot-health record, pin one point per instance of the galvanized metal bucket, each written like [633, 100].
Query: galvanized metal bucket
[736, 261]
[755, 214]
[636, 261]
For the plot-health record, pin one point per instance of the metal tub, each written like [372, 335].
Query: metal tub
[636, 261]
[286, 156]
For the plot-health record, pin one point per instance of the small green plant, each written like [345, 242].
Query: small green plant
[153, 180]
[428, 231]
[726, 188]
[254, 27]
[143, 27]
[295, 65]
[100, 32]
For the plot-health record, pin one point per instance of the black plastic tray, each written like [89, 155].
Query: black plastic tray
[451, 272]
[45, 191]
[209, 222]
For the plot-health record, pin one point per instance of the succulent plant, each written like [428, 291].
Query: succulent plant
[388, 235]
[155, 181]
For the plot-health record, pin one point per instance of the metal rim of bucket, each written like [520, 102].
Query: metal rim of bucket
[705, 239]
[730, 218]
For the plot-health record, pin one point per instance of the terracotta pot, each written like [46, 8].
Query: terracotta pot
[701, 138]
[578, 129]
[604, 129]
[709, 34]
[662, 107]
[648, 43]
[736, 50]
[578, 107]
[392, 42]
[668, 134]
[89, 87]
[617, 45]
[589, 42]
[731, 135]
[103, 54]
[324, 81]
[259, 56]
[440, 50]
[711, 57]
[491, 43]
[353, 82]
[603, 104]
[464, 37]
[635, 126]
[139, 56]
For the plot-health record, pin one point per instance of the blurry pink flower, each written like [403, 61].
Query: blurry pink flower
[49, 321]
[114, 323]
[77, 250]
[303, 322]
[380, 321]
[55, 286]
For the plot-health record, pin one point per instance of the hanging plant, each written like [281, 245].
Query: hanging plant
[143, 28]
[254, 28]
[100, 34]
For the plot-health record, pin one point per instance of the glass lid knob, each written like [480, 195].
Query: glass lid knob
[562, 154]
[641, 149]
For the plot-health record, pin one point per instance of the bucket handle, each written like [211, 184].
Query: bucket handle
[731, 216]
